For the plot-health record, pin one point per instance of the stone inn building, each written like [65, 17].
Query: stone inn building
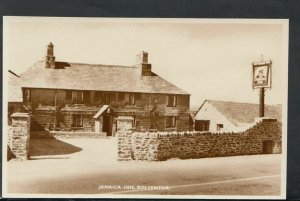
[86, 97]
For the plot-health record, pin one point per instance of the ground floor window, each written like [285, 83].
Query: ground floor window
[170, 121]
[77, 120]
[219, 127]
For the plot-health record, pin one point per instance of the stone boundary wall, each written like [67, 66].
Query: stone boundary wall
[19, 136]
[156, 146]
[124, 135]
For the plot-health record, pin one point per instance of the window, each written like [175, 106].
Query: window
[129, 99]
[121, 96]
[68, 95]
[202, 125]
[219, 127]
[26, 95]
[103, 98]
[112, 97]
[77, 97]
[86, 97]
[170, 122]
[77, 120]
[138, 96]
[171, 100]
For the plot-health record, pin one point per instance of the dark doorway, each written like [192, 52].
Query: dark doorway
[202, 125]
[268, 147]
[107, 125]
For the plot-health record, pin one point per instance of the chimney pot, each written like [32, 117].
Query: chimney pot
[142, 62]
[142, 57]
[50, 58]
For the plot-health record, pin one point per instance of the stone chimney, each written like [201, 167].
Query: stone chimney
[142, 62]
[50, 58]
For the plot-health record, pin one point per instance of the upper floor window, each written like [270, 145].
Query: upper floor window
[77, 96]
[26, 95]
[170, 121]
[129, 99]
[68, 95]
[171, 100]
[103, 98]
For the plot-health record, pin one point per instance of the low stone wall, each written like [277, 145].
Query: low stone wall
[264, 137]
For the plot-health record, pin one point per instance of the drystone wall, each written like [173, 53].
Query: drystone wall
[264, 137]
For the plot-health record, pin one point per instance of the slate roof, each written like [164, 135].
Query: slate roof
[96, 77]
[14, 87]
[240, 113]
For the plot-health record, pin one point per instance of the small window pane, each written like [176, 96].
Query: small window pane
[171, 100]
[77, 120]
[170, 121]
[68, 95]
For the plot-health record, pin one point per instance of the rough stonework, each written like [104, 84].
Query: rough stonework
[264, 137]
[19, 135]
[124, 134]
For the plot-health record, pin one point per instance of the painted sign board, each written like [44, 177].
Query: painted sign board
[261, 75]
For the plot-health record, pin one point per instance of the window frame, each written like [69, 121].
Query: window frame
[131, 99]
[220, 127]
[77, 125]
[68, 95]
[103, 98]
[174, 122]
[76, 98]
[174, 100]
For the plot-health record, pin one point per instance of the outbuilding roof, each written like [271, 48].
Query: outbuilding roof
[96, 77]
[239, 113]
[14, 87]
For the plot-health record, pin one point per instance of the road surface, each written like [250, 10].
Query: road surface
[89, 166]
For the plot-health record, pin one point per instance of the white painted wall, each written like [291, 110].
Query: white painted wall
[209, 112]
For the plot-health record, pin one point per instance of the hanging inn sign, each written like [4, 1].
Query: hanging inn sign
[262, 74]
[262, 80]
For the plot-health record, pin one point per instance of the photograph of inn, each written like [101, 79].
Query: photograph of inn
[85, 97]
[226, 116]
[136, 108]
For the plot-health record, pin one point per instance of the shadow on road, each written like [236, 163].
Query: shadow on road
[42, 147]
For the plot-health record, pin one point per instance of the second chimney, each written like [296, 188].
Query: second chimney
[50, 58]
[142, 62]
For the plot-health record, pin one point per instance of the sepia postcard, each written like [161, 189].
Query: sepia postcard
[144, 108]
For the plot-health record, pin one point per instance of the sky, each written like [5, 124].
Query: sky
[210, 59]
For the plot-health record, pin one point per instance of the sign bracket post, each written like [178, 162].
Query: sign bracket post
[262, 79]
